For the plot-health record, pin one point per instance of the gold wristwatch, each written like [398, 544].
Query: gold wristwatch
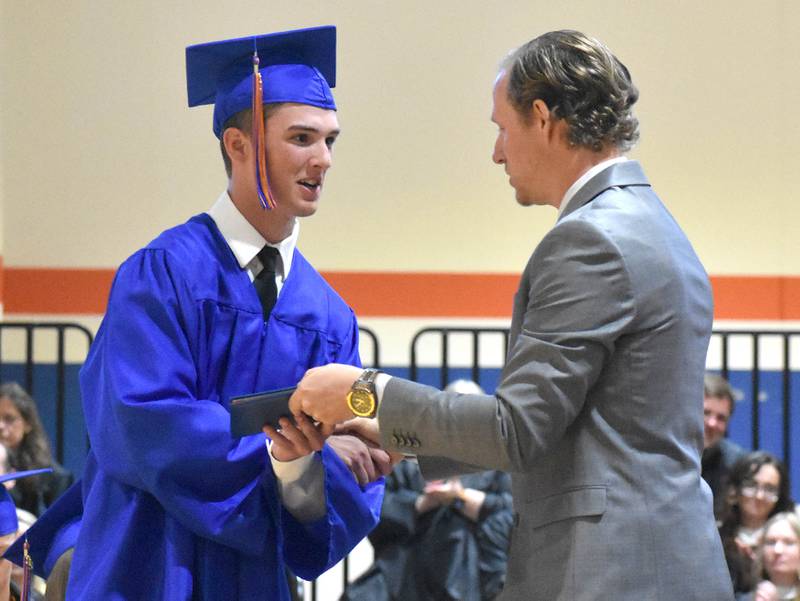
[361, 399]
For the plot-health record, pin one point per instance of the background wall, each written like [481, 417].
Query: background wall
[99, 152]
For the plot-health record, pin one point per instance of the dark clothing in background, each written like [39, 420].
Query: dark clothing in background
[39, 492]
[716, 465]
[440, 555]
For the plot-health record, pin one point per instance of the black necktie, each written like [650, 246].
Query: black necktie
[264, 282]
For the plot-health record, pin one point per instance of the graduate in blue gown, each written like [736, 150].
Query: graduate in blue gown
[174, 507]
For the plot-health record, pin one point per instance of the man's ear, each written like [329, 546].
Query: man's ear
[540, 113]
[547, 122]
[237, 144]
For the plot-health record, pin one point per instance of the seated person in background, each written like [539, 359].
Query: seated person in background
[9, 531]
[442, 540]
[779, 558]
[758, 489]
[719, 453]
[51, 540]
[22, 433]
[25, 519]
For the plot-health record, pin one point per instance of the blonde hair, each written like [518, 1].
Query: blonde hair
[794, 523]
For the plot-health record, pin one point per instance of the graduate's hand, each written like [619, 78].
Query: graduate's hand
[322, 394]
[368, 463]
[294, 441]
[369, 431]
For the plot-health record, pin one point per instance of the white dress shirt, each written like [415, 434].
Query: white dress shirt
[301, 482]
[581, 181]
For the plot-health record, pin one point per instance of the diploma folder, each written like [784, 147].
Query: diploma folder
[249, 413]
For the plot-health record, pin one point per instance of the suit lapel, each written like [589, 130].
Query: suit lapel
[628, 173]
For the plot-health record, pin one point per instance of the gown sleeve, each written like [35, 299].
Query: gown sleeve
[147, 426]
[352, 510]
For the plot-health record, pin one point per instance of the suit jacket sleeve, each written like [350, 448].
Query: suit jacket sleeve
[574, 301]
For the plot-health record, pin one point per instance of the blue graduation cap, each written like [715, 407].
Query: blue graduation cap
[288, 66]
[8, 511]
[295, 66]
[52, 534]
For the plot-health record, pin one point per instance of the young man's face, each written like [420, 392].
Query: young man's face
[716, 415]
[299, 143]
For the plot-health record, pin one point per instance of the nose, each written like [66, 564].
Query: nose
[323, 157]
[497, 155]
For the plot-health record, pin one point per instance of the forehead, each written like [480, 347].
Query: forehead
[500, 103]
[717, 405]
[767, 474]
[783, 529]
[6, 406]
[296, 115]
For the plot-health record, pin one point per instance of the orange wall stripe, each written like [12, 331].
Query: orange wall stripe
[56, 291]
[426, 294]
[756, 297]
[392, 294]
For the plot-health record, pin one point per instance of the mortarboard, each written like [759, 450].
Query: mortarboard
[296, 66]
[52, 534]
[289, 66]
[8, 511]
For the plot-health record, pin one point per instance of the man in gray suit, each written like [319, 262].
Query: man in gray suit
[598, 413]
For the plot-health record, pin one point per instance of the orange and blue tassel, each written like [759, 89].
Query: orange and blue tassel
[260, 140]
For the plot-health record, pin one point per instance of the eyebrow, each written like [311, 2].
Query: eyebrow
[310, 128]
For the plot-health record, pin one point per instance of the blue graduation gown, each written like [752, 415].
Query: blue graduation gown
[174, 508]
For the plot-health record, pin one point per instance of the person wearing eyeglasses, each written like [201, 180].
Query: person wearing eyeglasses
[758, 489]
[22, 434]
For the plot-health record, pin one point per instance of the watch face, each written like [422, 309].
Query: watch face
[361, 402]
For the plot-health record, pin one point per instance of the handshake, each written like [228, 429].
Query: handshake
[321, 414]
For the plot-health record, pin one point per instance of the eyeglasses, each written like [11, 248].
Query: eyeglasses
[9, 420]
[789, 543]
[769, 493]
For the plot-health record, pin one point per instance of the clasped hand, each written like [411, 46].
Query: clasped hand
[322, 394]
[318, 405]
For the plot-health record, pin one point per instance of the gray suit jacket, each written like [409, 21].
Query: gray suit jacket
[598, 414]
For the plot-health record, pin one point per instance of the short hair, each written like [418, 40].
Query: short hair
[717, 387]
[580, 81]
[243, 120]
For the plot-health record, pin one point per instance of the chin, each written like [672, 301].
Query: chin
[525, 201]
[306, 209]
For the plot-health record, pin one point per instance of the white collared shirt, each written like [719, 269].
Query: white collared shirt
[300, 482]
[581, 181]
[245, 242]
